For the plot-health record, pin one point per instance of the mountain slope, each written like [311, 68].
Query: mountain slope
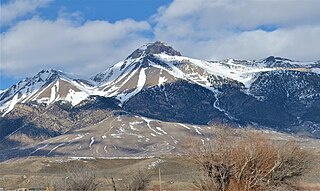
[28, 123]
[116, 135]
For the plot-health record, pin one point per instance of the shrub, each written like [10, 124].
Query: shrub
[136, 181]
[78, 180]
[250, 162]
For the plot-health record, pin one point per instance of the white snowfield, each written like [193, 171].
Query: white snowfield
[127, 78]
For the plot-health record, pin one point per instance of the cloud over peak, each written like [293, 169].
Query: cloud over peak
[241, 29]
[203, 29]
[84, 48]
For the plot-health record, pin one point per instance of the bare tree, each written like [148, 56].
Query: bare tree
[77, 180]
[136, 181]
[249, 162]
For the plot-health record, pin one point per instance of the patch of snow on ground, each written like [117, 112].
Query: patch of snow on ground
[154, 164]
[54, 148]
[159, 129]
[105, 149]
[184, 126]
[91, 142]
[197, 129]
[135, 122]
[39, 149]
[148, 124]
[117, 136]
[174, 140]
[132, 128]
[79, 136]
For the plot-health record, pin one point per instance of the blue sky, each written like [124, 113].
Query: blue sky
[111, 10]
[88, 36]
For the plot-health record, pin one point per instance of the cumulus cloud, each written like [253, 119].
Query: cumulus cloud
[222, 29]
[18, 8]
[299, 44]
[86, 48]
[204, 29]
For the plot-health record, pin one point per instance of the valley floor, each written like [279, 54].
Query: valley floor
[177, 173]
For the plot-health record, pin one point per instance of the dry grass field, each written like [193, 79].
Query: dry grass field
[177, 173]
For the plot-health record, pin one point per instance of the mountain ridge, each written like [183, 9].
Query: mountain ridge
[164, 56]
[158, 83]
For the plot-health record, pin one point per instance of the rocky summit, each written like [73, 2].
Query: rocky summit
[152, 100]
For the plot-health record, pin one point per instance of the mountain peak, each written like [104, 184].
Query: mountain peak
[157, 47]
[275, 59]
[51, 71]
[55, 73]
[48, 75]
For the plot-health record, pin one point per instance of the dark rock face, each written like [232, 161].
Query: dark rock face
[247, 109]
[180, 102]
[296, 94]
[312, 113]
[155, 48]
[272, 61]
[280, 100]
[295, 91]
[97, 102]
[283, 100]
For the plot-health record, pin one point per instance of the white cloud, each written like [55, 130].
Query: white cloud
[18, 8]
[220, 29]
[204, 29]
[230, 14]
[299, 44]
[91, 47]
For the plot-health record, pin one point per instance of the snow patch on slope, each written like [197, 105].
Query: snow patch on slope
[91, 142]
[13, 102]
[184, 126]
[316, 70]
[148, 124]
[75, 97]
[141, 81]
[241, 73]
[54, 91]
[55, 148]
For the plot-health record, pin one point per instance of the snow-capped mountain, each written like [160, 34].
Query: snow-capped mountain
[156, 64]
[153, 64]
[48, 86]
[157, 82]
